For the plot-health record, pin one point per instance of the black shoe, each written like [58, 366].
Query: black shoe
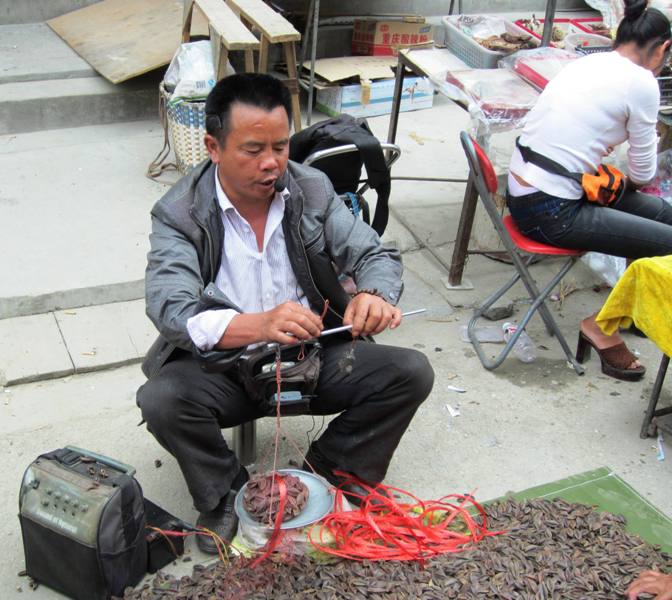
[222, 520]
[355, 494]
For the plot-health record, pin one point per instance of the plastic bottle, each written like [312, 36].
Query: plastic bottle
[523, 348]
[484, 334]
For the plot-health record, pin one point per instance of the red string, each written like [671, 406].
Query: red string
[324, 310]
[384, 529]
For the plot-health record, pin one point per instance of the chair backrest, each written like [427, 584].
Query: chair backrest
[485, 179]
[479, 162]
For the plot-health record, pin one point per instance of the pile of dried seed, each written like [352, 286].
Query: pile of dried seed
[552, 549]
[261, 499]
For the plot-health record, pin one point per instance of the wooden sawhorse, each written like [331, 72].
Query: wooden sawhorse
[274, 29]
[227, 33]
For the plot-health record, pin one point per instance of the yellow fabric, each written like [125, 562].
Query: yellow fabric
[642, 295]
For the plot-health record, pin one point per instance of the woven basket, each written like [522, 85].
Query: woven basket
[186, 126]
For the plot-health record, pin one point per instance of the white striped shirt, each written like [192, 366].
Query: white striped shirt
[254, 281]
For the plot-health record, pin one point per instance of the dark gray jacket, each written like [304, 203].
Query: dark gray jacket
[186, 246]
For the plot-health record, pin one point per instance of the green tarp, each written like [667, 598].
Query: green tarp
[607, 491]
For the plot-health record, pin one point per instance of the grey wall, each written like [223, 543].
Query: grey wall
[35, 11]
[424, 7]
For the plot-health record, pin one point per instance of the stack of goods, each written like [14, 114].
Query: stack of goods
[536, 26]
[539, 66]
[490, 34]
[549, 549]
[499, 94]
[598, 29]
[262, 498]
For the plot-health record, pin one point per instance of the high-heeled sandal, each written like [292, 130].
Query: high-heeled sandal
[615, 360]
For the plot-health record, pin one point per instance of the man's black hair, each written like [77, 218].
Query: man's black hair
[255, 89]
[642, 25]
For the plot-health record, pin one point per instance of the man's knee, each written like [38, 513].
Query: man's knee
[159, 401]
[418, 373]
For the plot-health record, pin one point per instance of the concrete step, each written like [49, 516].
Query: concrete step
[54, 103]
[73, 341]
[33, 52]
[74, 205]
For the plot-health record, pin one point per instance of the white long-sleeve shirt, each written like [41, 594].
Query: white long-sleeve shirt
[594, 104]
[255, 281]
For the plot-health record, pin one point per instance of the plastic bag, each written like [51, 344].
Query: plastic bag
[538, 66]
[191, 74]
[661, 185]
[497, 98]
[612, 11]
[609, 268]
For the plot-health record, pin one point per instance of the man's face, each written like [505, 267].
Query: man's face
[254, 154]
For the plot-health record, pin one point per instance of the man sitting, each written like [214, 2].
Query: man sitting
[241, 253]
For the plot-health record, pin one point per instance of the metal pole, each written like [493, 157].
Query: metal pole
[655, 394]
[304, 39]
[396, 100]
[245, 442]
[548, 22]
[313, 52]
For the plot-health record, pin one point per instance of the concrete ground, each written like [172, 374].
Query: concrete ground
[519, 426]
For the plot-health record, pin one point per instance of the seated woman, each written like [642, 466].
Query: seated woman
[594, 104]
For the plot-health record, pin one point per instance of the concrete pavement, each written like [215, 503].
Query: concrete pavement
[519, 426]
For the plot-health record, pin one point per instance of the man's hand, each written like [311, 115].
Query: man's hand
[651, 582]
[369, 315]
[271, 326]
[290, 317]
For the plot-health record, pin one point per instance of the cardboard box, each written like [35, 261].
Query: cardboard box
[374, 98]
[384, 38]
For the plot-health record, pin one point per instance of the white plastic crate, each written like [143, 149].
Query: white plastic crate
[470, 51]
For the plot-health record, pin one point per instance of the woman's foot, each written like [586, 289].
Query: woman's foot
[617, 360]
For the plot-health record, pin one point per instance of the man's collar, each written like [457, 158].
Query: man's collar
[224, 202]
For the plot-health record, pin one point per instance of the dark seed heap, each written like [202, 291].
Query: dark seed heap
[262, 497]
[552, 549]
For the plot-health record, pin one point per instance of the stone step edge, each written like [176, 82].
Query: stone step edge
[62, 373]
[23, 306]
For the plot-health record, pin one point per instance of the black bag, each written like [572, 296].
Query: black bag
[344, 170]
[299, 372]
[83, 524]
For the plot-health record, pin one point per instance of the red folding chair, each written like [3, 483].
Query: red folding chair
[516, 244]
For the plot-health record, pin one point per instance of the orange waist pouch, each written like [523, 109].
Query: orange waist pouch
[604, 187]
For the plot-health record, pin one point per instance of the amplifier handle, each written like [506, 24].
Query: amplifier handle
[110, 462]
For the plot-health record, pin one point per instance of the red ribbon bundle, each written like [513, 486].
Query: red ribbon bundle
[384, 529]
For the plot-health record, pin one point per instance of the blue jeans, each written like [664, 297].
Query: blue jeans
[636, 226]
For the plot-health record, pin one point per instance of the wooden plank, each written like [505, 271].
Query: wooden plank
[293, 83]
[186, 20]
[271, 24]
[122, 39]
[235, 36]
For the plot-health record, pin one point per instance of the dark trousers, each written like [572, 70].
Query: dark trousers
[637, 226]
[185, 409]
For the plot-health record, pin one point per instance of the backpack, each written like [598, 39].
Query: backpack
[83, 524]
[344, 170]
